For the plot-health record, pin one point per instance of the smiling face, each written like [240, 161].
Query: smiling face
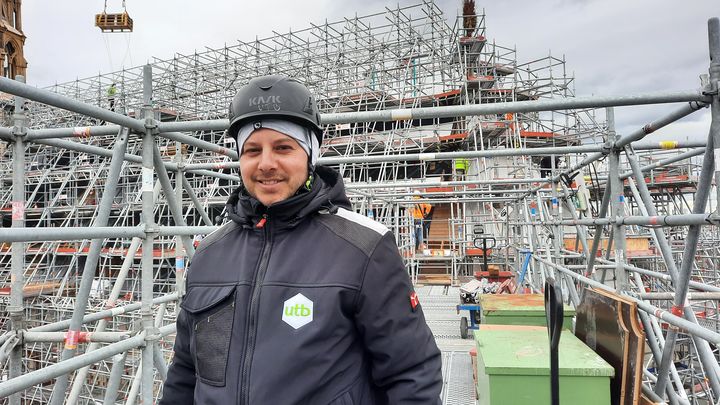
[273, 166]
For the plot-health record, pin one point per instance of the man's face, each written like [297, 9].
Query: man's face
[273, 166]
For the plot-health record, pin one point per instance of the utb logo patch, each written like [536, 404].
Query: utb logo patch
[298, 311]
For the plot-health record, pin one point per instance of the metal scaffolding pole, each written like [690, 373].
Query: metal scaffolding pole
[685, 155]
[88, 274]
[193, 197]
[618, 207]
[79, 379]
[435, 183]
[116, 373]
[659, 313]
[660, 220]
[98, 316]
[646, 200]
[171, 198]
[16, 308]
[84, 337]
[180, 253]
[66, 103]
[148, 146]
[78, 132]
[662, 276]
[682, 112]
[602, 212]
[50, 234]
[62, 368]
[681, 306]
[637, 135]
[95, 150]
[656, 349]
[100, 130]
[650, 335]
[714, 70]
[514, 106]
[582, 236]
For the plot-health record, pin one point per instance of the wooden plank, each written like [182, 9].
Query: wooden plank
[435, 279]
[645, 401]
[597, 325]
[632, 378]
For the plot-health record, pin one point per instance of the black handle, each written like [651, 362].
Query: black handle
[554, 316]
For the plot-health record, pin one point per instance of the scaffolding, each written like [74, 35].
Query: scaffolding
[95, 231]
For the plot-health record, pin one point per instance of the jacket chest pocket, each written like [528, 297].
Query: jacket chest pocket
[213, 311]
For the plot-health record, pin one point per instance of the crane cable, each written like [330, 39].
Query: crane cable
[105, 7]
[107, 48]
[106, 40]
[127, 43]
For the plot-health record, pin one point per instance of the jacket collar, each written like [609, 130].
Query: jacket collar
[326, 192]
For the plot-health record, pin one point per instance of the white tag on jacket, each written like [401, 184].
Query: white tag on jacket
[298, 311]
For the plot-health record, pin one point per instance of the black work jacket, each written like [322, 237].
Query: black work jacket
[304, 302]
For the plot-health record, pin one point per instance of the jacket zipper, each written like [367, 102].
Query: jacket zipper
[253, 312]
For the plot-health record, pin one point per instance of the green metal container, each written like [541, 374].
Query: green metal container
[513, 368]
[519, 309]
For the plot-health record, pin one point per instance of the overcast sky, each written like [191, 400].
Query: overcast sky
[612, 47]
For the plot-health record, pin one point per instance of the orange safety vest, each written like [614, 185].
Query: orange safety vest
[420, 211]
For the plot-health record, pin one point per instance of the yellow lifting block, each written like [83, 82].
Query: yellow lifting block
[120, 22]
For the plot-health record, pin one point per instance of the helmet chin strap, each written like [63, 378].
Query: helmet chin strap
[311, 167]
[311, 177]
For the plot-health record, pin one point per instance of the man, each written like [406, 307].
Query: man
[111, 93]
[297, 300]
[461, 168]
[421, 221]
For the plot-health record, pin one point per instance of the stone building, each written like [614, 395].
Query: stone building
[12, 39]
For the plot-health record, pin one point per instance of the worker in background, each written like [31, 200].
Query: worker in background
[297, 299]
[461, 167]
[421, 221]
[546, 165]
[111, 94]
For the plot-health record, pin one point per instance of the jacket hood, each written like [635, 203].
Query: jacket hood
[326, 193]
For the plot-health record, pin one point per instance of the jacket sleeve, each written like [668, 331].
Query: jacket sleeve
[179, 386]
[406, 362]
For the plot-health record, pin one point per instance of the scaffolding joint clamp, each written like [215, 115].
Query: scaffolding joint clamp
[152, 125]
[16, 337]
[677, 310]
[711, 92]
[19, 131]
[15, 312]
[713, 218]
[152, 334]
[148, 229]
[608, 147]
[151, 229]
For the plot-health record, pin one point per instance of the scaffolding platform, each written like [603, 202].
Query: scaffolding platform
[34, 289]
[438, 303]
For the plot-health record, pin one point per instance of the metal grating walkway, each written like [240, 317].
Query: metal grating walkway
[438, 303]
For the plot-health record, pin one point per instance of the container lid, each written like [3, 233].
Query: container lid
[517, 305]
[524, 350]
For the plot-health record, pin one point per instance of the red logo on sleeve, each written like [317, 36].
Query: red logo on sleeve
[414, 300]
